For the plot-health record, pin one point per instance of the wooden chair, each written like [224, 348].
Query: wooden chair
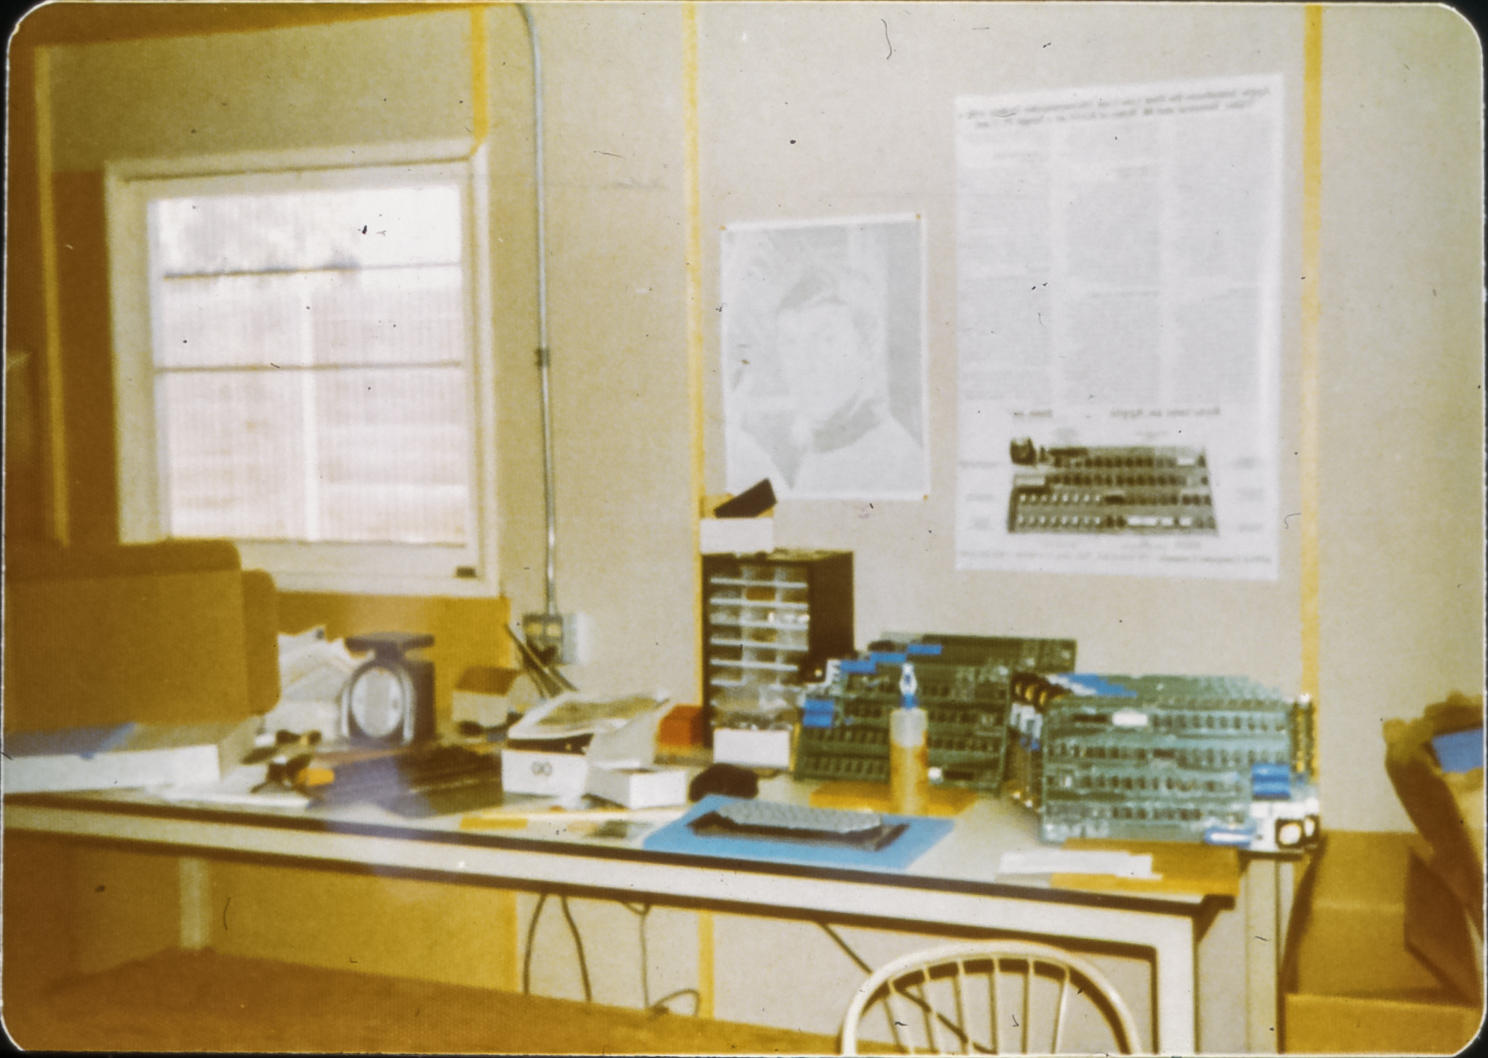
[984, 997]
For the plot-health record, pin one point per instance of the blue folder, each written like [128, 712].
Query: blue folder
[918, 837]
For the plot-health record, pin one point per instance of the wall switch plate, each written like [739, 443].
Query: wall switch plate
[567, 636]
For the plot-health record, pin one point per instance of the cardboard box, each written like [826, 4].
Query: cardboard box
[753, 748]
[565, 775]
[637, 785]
[1423, 1023]
[1437, 931]
[480, 695]
[1353, 940]
[683, 726]
[743, 536]
[542, 772]
[1351, 984]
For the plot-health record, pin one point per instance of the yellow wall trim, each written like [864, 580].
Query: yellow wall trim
[694, 288]
[1312, 178]
[55, 446]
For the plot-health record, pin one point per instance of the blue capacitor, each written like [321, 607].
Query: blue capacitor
[1270, 782]
[818, 712]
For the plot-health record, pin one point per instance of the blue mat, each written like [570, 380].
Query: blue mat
[909, 846]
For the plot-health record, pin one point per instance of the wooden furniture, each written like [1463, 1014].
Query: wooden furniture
[204, 1002]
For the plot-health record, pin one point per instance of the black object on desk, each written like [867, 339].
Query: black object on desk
[421, 781]
[728, 779]
[774, 821]
[753, 501]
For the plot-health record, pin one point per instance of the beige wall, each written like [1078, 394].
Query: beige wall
[1401, 380]
[1400, 460]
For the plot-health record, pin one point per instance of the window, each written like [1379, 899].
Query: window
[302, 365]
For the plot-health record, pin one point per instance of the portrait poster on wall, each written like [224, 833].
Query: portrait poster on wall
[823, 358]
[1118, 329]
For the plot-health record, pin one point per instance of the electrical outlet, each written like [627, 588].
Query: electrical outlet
[563, 638]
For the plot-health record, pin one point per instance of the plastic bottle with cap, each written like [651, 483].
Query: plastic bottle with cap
[909, 749]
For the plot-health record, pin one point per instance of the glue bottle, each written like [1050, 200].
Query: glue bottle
[909, 749]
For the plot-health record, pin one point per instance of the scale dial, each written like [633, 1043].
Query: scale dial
[388, 699]
[378, 701]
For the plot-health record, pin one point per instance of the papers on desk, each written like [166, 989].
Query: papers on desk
[235, 788]
[124, 756]
[1077, 861]
[312, 671]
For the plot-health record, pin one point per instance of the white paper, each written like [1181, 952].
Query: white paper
[571, 714]
[823, 358]
[1078, 861]
[1118, 272]
[740, 536]
[236, 788]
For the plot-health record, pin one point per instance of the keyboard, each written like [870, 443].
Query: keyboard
[776, 821]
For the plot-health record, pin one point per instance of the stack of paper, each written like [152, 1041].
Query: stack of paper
[312, 671]
[128, 755]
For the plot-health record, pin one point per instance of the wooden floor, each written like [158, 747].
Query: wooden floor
[202, 1001]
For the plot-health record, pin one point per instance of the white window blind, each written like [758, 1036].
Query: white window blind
[303, 362]
[311, 351]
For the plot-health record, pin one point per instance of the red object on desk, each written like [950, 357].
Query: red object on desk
[683, 726]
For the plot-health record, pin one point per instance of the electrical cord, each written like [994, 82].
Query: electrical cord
[578, 944]
[640, 911]
[527, 953]
[660, 1006]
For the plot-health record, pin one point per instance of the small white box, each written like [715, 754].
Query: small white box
[637, 785]
[752, 748]
[744, 536]
[560, 775]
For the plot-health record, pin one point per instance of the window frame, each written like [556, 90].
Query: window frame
[352, 568]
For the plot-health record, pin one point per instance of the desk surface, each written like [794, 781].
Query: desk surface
[966, 860]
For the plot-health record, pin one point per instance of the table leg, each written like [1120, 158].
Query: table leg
[196, 902]
[1174, 985]
[1262, 955]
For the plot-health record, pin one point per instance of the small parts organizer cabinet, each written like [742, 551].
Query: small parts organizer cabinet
[772, 619]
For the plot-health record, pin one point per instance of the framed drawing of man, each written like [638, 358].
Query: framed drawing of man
[823, 358]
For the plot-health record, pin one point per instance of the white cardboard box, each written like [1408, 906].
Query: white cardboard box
[752, 748]
[543, 772]
[637, 785]
[744, 536]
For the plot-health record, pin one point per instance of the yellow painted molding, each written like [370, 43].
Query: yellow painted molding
[694, 291]
[705, 964]
[480, 115]
[1312, 170]
[55, 424]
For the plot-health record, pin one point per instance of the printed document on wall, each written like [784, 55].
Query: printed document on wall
[1118, 329]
